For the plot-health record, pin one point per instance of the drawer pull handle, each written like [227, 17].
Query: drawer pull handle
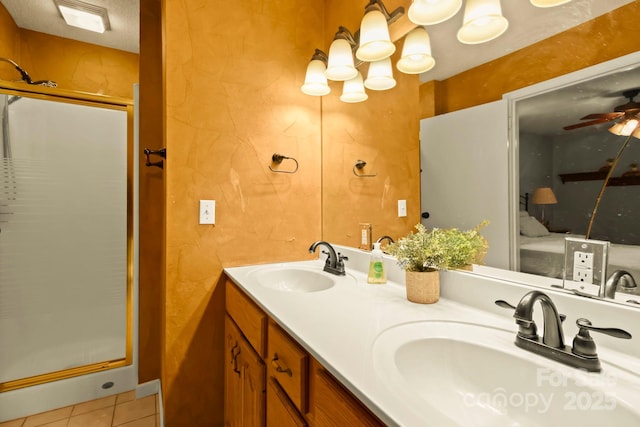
[234, 358]
[278, 368]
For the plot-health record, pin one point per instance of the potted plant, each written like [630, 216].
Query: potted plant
[424, 253]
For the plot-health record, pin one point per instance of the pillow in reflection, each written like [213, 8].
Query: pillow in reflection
[531, 227]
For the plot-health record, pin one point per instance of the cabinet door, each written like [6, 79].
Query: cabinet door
[333, 406]
[253, 373]
[280, 411]
[232, 375]
[244, 381]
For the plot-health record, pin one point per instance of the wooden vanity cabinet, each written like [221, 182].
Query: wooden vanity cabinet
[270, 380]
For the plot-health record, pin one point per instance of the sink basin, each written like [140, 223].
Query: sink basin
[292, 279]
[474, 375]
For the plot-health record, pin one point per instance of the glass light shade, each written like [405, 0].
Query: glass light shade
[431, 12]
[375, 43]
[353, 90]
[315, 82]
[340, 66]
[380, 75]
[625, 127]
[548, 3]
[483, 21]
[416, 53]
[636, 133]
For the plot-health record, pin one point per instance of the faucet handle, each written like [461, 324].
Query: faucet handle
[583, 344]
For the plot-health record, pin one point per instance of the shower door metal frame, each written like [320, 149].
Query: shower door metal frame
[101, 101]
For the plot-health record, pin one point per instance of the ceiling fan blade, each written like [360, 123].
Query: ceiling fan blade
[609, 116]
[592, 122]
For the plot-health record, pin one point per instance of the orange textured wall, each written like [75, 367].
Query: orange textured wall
[78, 66]
[9, 45]
[606, 37]
[384, 132]
[232, 76]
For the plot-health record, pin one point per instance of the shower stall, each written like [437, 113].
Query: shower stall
[66, 248]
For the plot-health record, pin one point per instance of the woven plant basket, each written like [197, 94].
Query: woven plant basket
[423, 287]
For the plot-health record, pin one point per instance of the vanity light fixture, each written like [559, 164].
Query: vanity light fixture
[548, 3]
[416, 53]
[353, 90]
[431, 12]
[380, 75]
[84, 15]
[315, 82]
[483, 22]
[340, 66]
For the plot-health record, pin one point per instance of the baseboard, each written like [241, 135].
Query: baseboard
[149, 388]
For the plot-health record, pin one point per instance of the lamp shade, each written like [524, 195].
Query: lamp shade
[375, 43]
[315, 82]
[548, 3]
[340, 65]
[353, 90]
[544, 196]
[431, 12]
[416, 53]
[380, 75]
[483, 21]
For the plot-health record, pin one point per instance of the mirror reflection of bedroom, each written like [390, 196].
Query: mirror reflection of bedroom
[562, 171]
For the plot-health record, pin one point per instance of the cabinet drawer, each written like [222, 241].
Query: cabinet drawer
[334, 406]
[287, 363]
[280, 410]
[251, 320]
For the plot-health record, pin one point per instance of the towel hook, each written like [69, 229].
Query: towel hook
[277, 159]
[162, 153]
[360, 164]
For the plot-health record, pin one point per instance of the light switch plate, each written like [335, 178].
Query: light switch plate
[207, 211]
[402, 208]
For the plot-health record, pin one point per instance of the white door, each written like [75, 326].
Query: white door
[464, 161]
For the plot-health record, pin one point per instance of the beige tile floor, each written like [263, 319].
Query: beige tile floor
[122, 410]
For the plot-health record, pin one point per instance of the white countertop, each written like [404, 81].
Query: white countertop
[339, 326]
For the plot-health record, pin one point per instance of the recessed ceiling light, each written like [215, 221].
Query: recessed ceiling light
[84, 15]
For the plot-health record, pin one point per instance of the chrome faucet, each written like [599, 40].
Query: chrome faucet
[335, 262]
[622, 281]
[581, 355]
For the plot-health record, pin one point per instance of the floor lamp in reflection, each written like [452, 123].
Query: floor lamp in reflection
[629, 127]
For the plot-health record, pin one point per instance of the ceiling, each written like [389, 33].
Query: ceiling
[43, 16]
[527, 25]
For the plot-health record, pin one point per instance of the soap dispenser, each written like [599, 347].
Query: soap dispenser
[377, 273]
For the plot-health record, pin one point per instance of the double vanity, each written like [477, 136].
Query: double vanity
[329, 349]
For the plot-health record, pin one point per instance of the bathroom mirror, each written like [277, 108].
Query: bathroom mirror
[539, 151]
[573, 164]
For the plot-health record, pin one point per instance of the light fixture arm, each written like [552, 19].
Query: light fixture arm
[345, 34]
[320, 56]
[390, 17]
[604, 184]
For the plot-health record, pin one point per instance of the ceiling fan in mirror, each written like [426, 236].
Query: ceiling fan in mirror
[629, 111]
